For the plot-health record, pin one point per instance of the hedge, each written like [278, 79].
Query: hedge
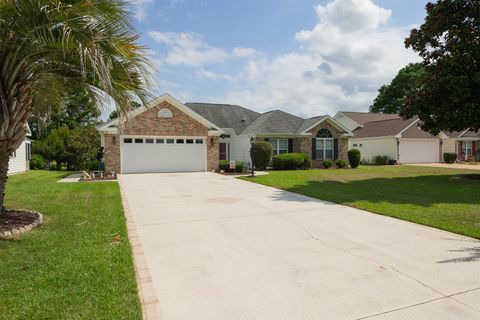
[261, 154]
[449, 157]
[291, 161]
[225, 166]
[354, 157]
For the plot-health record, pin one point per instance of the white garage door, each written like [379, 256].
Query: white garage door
[419, 151]
[163, 154]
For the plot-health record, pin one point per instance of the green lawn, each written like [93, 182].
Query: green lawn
[447, 199]
[70, 267]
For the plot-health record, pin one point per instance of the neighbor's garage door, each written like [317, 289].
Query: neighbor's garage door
[419, 151]
[163, 154]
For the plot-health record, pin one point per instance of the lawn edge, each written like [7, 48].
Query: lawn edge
[148, 296]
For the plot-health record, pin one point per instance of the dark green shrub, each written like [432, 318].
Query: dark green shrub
[380, 160]
[261, 154]
[354, 157]
[239, 166]
[341, 163]
[37, 162]
[449, 157]
[291, 161]
[327, 164]
[93, 165]
[225, 166]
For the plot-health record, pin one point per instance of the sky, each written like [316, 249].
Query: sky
[305, 57]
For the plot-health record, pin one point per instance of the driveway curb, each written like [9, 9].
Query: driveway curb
[148, 296]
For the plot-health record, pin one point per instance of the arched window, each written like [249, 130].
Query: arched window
[324, 133]
[324, 144]
[165, 113]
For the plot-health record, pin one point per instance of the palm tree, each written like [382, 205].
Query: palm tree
[48, 46]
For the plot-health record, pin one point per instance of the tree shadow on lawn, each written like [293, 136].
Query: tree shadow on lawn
[461, 189]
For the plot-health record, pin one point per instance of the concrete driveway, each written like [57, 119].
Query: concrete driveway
[221, 248]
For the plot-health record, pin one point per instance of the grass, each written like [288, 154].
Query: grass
[447, 199]
[70, 267]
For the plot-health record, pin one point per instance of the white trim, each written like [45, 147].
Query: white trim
[468, 139]
[162, 98]
[461, 134]
[277, 135]
[399, 135]
[343, 114]
[418, 139]
[332, 121]
[372, 138]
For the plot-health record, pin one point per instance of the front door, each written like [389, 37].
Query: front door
[223, 150]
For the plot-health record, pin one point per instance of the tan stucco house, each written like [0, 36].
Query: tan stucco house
[169, 136]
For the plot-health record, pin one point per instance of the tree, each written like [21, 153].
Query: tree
[448, 98]
[392, 97]
[81, 147]
[261, 154]
[53, 147]
[50, 46]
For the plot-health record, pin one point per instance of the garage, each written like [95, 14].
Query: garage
[162, 154]
[419, 151]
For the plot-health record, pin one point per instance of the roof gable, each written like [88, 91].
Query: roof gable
[364, 117]
[384, 128]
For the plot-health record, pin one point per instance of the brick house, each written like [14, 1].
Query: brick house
[169, 136]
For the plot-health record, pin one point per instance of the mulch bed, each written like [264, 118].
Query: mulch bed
[15, 220]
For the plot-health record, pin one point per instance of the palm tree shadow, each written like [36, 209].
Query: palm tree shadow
[473, 255]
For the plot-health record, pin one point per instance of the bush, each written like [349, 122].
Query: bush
[261, 154]
[341, 163]
[449, 157]
[93, 165]
[225, 166]
[380, 160]
[354, 157]
[327, 164]
[37, 162]
[291, 161]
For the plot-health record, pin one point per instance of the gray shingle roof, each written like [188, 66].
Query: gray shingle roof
[364, 117]
[307, 123]
[275, 121]
[471, 134]
[383, 128]
[225, 115]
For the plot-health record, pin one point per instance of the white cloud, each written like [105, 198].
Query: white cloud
[186, 48]
[208, 74]
[342, 62]
[140, 6]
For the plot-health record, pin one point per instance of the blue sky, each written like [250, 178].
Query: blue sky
[305, 57]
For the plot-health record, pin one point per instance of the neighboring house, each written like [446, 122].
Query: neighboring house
[20, 159]
[377, 134]
[168, 136]
[468, 145]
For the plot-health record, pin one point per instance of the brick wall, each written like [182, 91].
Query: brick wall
[336, 134]
[149, 124]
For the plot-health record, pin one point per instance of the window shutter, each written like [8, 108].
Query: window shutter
[290, 145]
[314, 149]
[335, 149]
[266, 139]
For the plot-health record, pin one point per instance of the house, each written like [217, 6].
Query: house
[378, 134]
[169, 136]
[468, 145]
[20, 159]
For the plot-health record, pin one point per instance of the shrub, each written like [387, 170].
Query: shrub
[37, 162]
[291, 161]
[449, 157]
[225, 165]
[261, 154]
[327, 164]
[341, 163]
[93, 165]
[354, 157]
[380, 160]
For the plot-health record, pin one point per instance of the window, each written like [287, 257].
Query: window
[138, 140]
[199, 141]
[170, 141]
[189, 141]
[280, 146]
[165, 113]
[467, 148]
[127, 140]
[180, 141]
[160, 140]
[149, 140]
[324, 149]
[355, 145]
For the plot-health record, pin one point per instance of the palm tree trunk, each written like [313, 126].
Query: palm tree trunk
[4, 159]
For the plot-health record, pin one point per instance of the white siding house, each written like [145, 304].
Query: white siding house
[20, 159]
